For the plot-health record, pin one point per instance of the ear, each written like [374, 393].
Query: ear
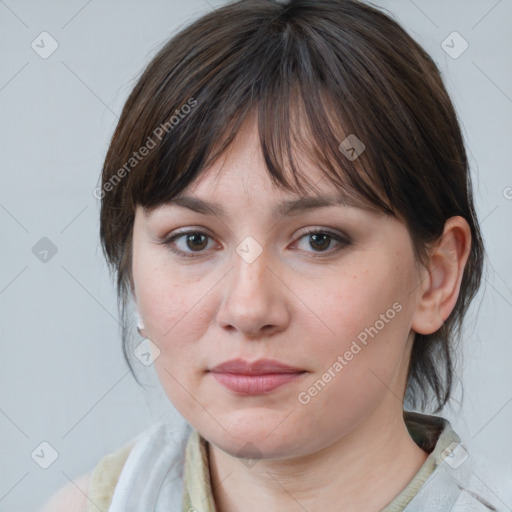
[442, 278]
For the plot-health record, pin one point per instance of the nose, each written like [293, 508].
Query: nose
[255, 299]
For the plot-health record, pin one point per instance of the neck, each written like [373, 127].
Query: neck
[364, 470]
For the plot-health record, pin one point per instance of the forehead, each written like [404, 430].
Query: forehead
[224, 194]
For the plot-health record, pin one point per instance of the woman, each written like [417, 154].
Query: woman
[286, 202]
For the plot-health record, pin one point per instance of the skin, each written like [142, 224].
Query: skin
[302, 303]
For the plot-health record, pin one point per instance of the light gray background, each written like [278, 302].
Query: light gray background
[63, 379]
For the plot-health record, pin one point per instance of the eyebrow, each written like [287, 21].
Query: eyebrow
[289, 207]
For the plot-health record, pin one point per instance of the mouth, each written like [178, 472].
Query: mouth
[256, 378]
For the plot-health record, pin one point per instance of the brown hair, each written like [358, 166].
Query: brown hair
[313, 71]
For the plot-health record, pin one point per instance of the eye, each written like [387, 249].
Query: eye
[321, 239]
[191, 242]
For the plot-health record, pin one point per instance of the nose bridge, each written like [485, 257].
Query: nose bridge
[250, 273]
[252, 298]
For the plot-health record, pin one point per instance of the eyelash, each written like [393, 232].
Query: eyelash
[344, 242]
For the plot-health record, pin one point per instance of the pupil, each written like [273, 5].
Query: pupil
[191, 239]
[324, 237]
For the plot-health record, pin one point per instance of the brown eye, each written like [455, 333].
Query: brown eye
[187, 243]
[196, 241]
[321, 241]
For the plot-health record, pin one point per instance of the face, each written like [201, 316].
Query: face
[252, 283]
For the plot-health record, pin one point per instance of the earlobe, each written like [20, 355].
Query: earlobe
[138, 317]
[440, 286]
[141, 328]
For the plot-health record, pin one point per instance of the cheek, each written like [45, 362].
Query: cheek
[177, 313]
[172, 301]
[357, 366]
[367, 321]
[355, 304]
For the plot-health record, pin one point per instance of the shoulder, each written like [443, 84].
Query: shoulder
[72, 497]
[95, 487]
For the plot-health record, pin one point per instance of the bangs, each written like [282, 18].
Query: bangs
[302, 114]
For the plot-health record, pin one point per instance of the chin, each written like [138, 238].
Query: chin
[254, 439]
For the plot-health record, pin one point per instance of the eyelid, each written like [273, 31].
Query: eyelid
[327, 231]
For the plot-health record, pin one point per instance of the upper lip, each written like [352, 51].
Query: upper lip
[259, 367]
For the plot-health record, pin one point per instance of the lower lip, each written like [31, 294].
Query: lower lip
[254, 384]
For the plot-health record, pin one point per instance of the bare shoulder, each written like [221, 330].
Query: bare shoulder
[72, 497]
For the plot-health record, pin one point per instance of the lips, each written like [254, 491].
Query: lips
[260, 367]
[254, 378]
